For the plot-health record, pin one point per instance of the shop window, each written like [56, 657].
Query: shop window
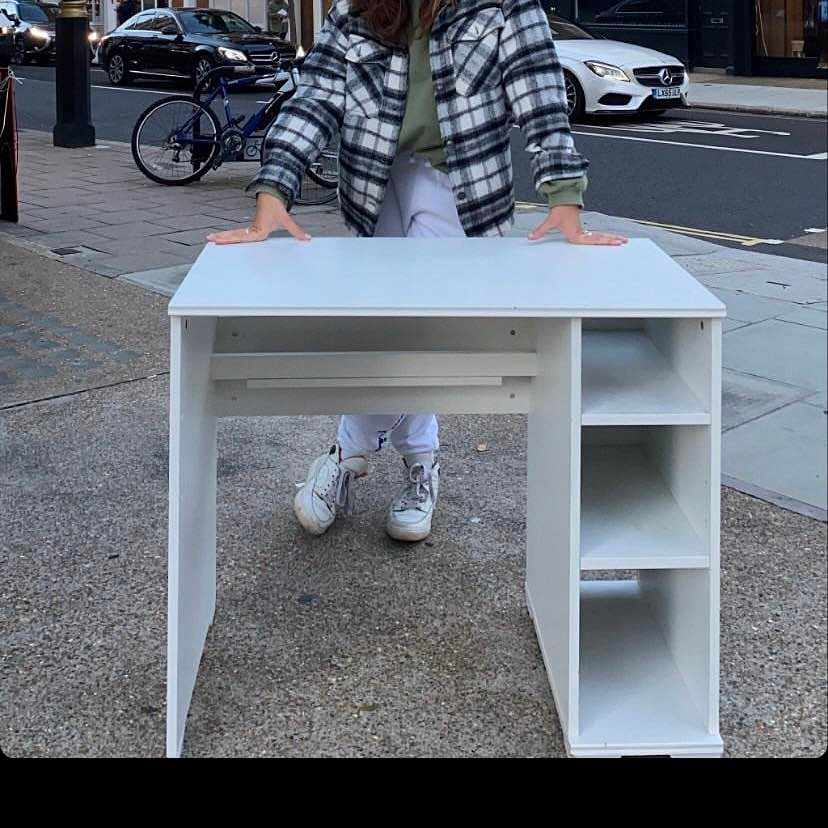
[791, 28]
[632, 12]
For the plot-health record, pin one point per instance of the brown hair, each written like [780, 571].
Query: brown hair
[388, 19]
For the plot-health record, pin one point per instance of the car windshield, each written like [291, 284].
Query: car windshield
[32, 14]
[213, 22]
[564, 30]
[50, 11]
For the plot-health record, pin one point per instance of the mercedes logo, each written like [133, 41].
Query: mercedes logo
[665, 77]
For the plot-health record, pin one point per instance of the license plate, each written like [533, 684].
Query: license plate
[669, 92]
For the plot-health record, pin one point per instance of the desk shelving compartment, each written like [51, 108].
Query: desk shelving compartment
[633, 661]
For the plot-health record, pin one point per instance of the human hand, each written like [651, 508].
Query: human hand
[567, 219]
[270, 215]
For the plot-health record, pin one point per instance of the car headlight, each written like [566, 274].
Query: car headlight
[607, 70]
[94, 37]
[232, 54]
[39, 33]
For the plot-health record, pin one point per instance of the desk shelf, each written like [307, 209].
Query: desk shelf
[633, 697]
[629, 518]
[628, 381]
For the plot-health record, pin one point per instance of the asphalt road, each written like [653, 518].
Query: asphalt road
[755, 181]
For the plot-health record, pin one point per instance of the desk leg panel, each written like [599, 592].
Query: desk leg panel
[553, 510]
[192, 516]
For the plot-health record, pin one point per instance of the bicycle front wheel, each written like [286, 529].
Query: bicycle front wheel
[175, 140]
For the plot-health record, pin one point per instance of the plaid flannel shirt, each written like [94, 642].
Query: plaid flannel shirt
[493, 64]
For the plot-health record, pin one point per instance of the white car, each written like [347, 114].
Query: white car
[607, 76]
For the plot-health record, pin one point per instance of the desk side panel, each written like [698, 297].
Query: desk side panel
[553, 515]
[192, 516]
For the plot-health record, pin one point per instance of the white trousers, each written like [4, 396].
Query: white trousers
[418, 201]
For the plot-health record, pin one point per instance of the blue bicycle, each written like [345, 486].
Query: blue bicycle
[179, 139]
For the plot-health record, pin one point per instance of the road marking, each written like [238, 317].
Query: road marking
[745, 241]
[822, 156]
[105, 88]
[696, 127]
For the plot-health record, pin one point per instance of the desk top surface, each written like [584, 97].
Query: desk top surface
[450, 277]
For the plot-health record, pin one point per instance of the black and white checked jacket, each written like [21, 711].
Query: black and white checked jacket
[493, 64]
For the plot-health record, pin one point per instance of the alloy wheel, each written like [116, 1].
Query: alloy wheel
[571, 95]
[116, 69]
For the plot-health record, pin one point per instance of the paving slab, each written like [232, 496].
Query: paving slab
[164, 280]
[806, 316]
[781, 351]
[782, 285]
[784, 451]
[746, 397]
[745, 307]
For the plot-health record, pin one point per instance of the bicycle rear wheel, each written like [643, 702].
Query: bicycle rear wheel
[175, 140]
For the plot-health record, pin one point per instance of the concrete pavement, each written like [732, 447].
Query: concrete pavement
[782, 96]
[348, 645]
[100, 214]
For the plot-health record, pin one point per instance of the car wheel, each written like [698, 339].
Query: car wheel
[116, 70]
[574, 97]
[201, 67]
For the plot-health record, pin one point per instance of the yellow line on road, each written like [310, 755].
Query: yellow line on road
[721, 235]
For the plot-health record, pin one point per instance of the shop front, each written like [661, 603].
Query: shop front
[743, 37]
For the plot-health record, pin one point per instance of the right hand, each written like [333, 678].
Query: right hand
[270, 215]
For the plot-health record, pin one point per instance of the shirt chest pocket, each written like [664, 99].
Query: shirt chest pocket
[475, 43]
[366, 66]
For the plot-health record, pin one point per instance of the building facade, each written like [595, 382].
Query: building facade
[744, 37]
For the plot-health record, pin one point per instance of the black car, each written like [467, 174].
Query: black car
[33, 25]
[186, 43]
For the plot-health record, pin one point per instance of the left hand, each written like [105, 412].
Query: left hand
[567, 219]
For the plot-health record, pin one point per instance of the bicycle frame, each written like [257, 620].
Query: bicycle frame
[260, 119]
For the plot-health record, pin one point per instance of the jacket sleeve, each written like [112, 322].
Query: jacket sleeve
[534, 84]
[310, 119]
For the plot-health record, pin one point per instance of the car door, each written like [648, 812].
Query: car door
[130, 42]
[158, 50]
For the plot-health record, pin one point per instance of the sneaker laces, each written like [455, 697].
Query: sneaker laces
[417, 491]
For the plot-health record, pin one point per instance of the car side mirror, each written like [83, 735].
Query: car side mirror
[257, 28]
[169, 30]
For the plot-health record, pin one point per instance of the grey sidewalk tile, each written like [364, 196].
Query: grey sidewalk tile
[745, 397]
[745, 307]
[194, 237]
[69, 238]
[132, 230]
[138, 247]
[729, 324]
[784, 452]
[146, 261]
[186, 222]
[820, 400]
[709, 264]
[781, 351]
[164, 280]
[64, 221]
[775, 264]
[787, 287]
[806, 316]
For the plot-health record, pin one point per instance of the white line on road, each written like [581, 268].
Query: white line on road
[822, 156]
[105, 88]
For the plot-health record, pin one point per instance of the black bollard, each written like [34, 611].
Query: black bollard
[73, 93]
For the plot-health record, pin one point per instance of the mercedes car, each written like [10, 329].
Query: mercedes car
[607, 77]
[186, 44]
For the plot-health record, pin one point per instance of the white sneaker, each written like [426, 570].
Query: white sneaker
[327, 487]
[409, 516]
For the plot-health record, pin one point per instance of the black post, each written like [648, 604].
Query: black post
[74, 98]
[8, 133]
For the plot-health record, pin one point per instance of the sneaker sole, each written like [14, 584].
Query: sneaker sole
[304, 514]
[410, 534]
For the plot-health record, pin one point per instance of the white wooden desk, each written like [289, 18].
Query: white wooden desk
[615, 355]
